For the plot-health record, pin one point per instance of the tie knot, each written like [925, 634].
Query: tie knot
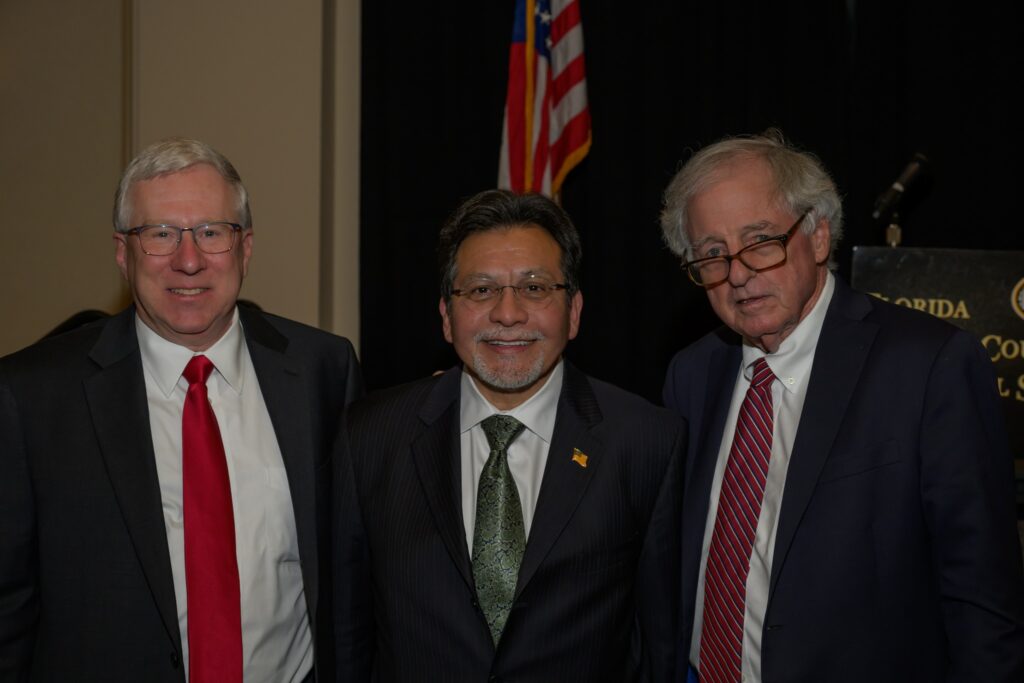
[501, 430]
[198, 370]
[763, 375]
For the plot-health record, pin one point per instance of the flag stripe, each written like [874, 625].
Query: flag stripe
[546, 131]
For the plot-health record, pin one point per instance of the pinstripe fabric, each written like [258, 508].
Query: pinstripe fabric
[602, 555]
[732, 541]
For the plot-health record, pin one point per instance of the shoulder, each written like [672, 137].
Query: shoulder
[59, 358]
[628, 415]
[325, 353]
[698, 353]
[691, 369]
[395, 405]
[905, 331]
[293, 331]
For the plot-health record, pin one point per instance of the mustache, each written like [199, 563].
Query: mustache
[508, 336]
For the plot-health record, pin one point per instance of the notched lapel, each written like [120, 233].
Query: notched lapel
[839, 358]
[117, 402]
[700, 467]
[285, 393]
[565, 480]
[435, 453]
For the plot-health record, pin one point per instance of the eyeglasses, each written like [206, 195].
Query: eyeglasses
[531, 293]
[163, 240]
[763, 255]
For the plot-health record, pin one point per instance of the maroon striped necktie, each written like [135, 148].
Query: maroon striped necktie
[211, 566]
[732, 541]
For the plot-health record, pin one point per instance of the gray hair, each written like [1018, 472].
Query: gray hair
[170, 156]
[801, 184]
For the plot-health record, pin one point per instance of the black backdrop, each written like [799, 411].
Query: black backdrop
[864, 85]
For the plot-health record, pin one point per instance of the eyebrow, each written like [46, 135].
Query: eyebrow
[531, 272]
[759, 226]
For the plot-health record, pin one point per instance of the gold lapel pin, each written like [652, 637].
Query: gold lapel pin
[579, 457]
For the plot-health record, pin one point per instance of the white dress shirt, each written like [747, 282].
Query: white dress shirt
[527, 455]
[791, 364]
[277, 643]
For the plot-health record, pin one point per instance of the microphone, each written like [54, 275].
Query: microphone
[889, 199]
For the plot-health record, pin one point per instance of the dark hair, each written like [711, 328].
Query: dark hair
[496, 209]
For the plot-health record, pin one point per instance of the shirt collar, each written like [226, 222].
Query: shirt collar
[165, 361]
[793, 360]
[537, 412]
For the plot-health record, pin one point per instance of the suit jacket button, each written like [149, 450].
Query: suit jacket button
[175, 660]
[474, 603]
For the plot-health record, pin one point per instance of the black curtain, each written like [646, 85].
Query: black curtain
[863, 85]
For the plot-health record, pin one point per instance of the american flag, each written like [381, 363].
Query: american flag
[547, 122]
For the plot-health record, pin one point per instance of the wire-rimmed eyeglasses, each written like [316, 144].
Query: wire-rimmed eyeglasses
[163, 239]
[531, 292]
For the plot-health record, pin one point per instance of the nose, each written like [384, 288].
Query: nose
[188, 258]
[508, 310]
[739, 274]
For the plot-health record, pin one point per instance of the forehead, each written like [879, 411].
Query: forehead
[195, 193]
[741, 195]
[516, 249]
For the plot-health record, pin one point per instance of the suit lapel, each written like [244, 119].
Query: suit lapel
[842, 349]
[116, 396]
[713, 409]
[435, 453]
[564, 480]
[284, 390]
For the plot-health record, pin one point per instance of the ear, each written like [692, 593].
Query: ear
[446, 322]
[821, 241]
[246, 250]
[121, 253]
[575, 308]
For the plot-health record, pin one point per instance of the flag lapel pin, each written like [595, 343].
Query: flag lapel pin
[579, 457]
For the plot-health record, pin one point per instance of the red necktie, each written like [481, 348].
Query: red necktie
[732, 541]
[211, 567]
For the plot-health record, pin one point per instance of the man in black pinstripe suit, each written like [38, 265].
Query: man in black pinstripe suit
[592, 595]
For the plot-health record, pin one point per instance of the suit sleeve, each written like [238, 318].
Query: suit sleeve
[18, 592]
[353, 587]
[967, 489]
[659, 571]
[669, 396]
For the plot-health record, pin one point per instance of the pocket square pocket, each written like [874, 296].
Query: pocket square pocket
[850, 463]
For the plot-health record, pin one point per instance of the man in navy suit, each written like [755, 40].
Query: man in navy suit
[101, 543]
[570, 572]
[848, 510]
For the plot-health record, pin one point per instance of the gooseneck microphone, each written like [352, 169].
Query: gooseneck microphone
[890, 199]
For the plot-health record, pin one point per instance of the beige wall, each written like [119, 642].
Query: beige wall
[246, 76]
[60, 156]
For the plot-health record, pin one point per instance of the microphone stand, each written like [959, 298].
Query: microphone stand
[894, 233]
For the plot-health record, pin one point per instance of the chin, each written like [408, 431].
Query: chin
[508, 378]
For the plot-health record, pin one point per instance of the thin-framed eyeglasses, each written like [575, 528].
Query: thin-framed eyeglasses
[531, 293]
[163, 240]
[767, 253]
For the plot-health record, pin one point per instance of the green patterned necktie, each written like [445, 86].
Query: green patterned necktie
[499, 538]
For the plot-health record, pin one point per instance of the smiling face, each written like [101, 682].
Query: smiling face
[507, 348]
[737, 209]
[187, 297]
